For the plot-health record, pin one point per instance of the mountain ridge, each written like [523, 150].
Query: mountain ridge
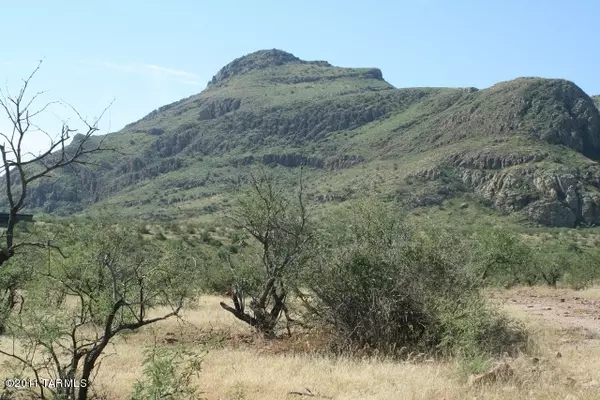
[527, 146]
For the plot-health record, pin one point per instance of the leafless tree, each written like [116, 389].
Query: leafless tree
[21, 168]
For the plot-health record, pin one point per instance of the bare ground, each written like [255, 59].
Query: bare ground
[561, 308]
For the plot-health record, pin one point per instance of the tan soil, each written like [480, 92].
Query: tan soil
[563, 308]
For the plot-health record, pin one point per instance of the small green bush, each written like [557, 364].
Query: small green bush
[583, 269]
[167, 374]
[161, 236]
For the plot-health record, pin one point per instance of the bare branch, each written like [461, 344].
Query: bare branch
[57, 156]
[47, 245]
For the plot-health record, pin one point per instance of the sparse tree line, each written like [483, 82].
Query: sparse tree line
[370, 279]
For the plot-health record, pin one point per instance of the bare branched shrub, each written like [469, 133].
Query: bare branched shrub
[281, 227]
[21, 168]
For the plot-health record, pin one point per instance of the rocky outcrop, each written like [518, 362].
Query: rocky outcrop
[259, 60]
[273, 58]
[552, 110]
[494, 161]
[170, 145]
[343, 161]
[308, 123]
[374, 73]
[556, 195]
[550, 198]
[572, 118]
[215, 108]
[370, 73]
[292, 160]
[552, 213]
[297, 160]
[155, 131]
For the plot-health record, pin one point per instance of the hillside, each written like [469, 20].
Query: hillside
[528, 147]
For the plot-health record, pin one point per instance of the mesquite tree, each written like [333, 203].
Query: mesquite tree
[112, 282]
[280, 224]
[21, 168]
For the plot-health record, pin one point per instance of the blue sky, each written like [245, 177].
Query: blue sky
[145, 54]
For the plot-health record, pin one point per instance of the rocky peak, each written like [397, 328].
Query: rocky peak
[554, 110]
[259, 60]
[575, 121]
[596, 101]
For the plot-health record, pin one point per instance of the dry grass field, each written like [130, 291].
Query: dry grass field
[238, 365]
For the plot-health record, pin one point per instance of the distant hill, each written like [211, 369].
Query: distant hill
[528, 146]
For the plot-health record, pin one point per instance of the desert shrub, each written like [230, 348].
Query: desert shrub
[205, 236]
[501, 257]
[217, 277]
[167, 374]
[395, 288]
[555, 259]
[281, 227]
[161, 236]
[582, 269]
[481, 331]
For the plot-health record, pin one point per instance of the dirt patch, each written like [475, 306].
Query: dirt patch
[563, 308]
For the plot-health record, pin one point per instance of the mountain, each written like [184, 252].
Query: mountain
[596, 100]
[529, 146]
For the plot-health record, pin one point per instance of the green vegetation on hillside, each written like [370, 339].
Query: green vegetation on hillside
[528, 146]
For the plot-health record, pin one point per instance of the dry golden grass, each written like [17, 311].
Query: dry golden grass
[262, 371]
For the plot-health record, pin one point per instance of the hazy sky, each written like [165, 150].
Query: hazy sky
[145, 54]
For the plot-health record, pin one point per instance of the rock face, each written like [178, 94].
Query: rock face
[297, 160]
[577, 125]
[559, 196]
[550, 198]
[494, 161]
[215, 108]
